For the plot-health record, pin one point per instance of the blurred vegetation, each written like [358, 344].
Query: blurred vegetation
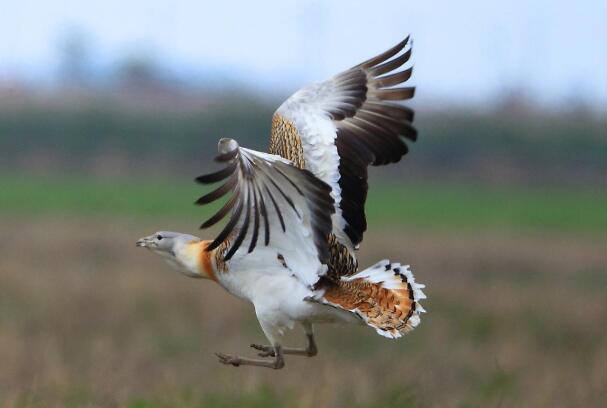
[182, 129]
[435, 206]
[88, 320]
[266, 398]
[79, 131]
[510, 242]
[261, 399]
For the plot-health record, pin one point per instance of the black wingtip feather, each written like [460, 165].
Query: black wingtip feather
[385, 55]
[372, 130]
[216, 176]
[218, 193]
[256, 215]
[254, 181]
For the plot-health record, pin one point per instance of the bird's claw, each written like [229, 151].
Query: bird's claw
[227, 359]
[266, 351]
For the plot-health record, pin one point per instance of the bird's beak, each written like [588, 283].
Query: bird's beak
[143, 242]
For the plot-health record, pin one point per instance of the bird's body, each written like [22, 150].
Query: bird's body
[296, 214]
[274, 293]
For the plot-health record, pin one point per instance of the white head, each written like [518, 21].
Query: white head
[176, 248]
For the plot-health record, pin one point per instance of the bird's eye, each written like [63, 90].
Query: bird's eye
[158, 237]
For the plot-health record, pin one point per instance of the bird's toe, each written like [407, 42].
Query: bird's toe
[227, 359]
[266, 351]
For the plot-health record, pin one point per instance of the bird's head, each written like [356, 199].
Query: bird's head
[182, 251]
[159, 242]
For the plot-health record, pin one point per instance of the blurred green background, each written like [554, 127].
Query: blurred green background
[501, 213]
[500, 208]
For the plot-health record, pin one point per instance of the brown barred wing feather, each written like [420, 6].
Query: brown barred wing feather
[337, 128]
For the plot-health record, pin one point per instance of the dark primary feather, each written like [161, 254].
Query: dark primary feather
[219, 192]
[255, 181]
[371, 126]
[384, 55]
[256, 216]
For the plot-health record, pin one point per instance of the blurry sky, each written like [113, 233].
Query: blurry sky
[467, 51]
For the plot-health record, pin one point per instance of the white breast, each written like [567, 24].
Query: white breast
[275, 291]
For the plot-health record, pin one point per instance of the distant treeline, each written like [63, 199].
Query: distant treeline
[180, 137]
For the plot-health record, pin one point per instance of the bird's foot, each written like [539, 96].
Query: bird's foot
[266, 351]
[236, 361]
[228, 359]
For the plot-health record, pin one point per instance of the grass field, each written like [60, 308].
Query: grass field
[427, 206]
[517, 313]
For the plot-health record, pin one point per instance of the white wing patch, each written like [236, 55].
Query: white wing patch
[348, 123]
[274, 204]
[307, 111]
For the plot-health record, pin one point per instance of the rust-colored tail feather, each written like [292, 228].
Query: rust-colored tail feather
[385, 296]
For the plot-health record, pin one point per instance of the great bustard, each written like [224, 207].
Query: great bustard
[296, 215]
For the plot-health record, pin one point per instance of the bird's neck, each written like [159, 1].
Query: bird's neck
[197, 260]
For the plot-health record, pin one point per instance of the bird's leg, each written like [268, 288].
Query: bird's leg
[236, 361]
[310, 351]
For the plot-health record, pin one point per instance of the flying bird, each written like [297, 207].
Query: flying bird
[295, 216]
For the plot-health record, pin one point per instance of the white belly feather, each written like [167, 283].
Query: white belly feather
[275, 291]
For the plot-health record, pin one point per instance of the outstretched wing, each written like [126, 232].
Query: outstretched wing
[271, 203]
[338, 127]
